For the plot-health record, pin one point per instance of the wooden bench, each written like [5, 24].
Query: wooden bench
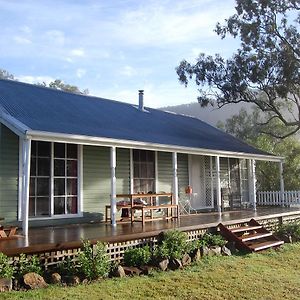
[108, 207]
[169, 208]
[8, 232]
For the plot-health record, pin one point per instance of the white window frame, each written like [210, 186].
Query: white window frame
[79, 187]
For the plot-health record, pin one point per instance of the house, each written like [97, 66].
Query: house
[64, 156]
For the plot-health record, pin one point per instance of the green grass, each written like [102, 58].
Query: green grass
[269, 275]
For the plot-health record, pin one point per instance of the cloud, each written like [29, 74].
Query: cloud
[56, 37]
[80, 72]
[77, 52]
[35, 79]
[127, 71]
[21, 40]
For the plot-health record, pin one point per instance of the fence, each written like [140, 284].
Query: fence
[276, 198]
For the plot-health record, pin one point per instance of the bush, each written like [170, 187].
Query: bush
[213, 240]
[171, 244]
[289, 231]
[67, 267]
[94, 263]
[6, 269]
[137, 257]
[28, 264]
[196, 244]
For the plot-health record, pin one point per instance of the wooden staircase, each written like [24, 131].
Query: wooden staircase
[251, 236]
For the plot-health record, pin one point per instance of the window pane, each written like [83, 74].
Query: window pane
[150, 170]
[72, 168]
[42, 206]
[72, 186]
[59, 150]
[59, 205]
[44, 149]
[143, 155]
[143, 170]
[59, 186]
[31, 206]
[71, 151]
[43, 186]
[33, 148]
[33, 166]
[59, 167]
[32, 187]
[43, 167]
[72, 205]
[136, 170]
[136, 155]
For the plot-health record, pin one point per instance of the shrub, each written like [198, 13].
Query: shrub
[290, 231]
[94, 262]
[6, 269]
[137, 257]
[171, 244]
[28, 264]
[213, 240]
[67, 267]
[196, 244]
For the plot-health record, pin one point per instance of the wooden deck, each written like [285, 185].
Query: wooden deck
[70, 236]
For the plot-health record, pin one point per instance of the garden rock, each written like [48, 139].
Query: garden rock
[163, 265]
[146, 270]
[118, 272]
[175, 264]
[205, 251]
[186, 260]
[34, 281]
[225, 251]
[196, 255]
[215, 251]
[72, 280]
[132, 271]
[5, 284]
[55, 278]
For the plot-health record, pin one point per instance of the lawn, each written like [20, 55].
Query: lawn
[269, 275]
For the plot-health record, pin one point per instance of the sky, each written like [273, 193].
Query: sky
[113, 48]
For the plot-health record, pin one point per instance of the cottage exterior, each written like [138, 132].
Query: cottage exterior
[64, 156]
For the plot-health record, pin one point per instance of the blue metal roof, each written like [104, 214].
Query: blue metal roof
[54, 111]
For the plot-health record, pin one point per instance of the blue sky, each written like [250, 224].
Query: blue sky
[111, 47]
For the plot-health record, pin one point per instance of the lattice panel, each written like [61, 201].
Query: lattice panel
[209, 179]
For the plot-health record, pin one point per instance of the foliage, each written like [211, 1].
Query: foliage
[28, 264]
[93, 261]
[290, 231]
[137, 257]
[6, 75]
[211, 240]
[246, 126]
[263, 71]
[6, 269]
[67, 267]
[196, 244]
[171, 244]
[60, 85]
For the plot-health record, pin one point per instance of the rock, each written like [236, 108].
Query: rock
[132, 271]
[231, 247]
[55, 278]
[72, 280]
[205, 251]
[225, 251]
[146, 270]
[118, 272]
[34, 281]
[85, 281]
[163, 265]
[175, 264]
[186, 260]
[196, 255]
[5, 284]
[214, 251]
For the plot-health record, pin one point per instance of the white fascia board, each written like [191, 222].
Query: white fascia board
[12, 123]
[109, 142]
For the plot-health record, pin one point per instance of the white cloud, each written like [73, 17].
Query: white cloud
[55, 37]
[80, 72]
[21, 40]
[127, 71]
[77, 52]
[35, 79]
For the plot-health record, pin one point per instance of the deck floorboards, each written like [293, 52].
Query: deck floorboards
[45, 239]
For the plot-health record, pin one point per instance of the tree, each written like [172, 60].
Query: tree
[60, 85]
[263, 71]
[6, 75]
[244, 126]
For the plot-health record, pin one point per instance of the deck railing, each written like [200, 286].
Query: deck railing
[277, 198]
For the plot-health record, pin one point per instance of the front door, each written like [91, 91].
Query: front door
[201, 180]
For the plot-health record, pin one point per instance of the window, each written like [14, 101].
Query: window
[62, 179]
[143, 171]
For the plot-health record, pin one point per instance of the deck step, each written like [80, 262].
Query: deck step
[265, 245]
[245, 228]
[254, 236]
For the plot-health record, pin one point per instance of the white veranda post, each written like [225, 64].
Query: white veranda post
[113, 201]
[253, 183]
[281, 183]
[218, 185]
[26, 153]
[175, 178]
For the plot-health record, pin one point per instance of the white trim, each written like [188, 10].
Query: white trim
[253, 183]
[175, 177]
[52, 180]
[250, 179]
[109, 142]
[20, 181]
[190, 169]
[218, 185]
[281, 183]
[131, 171]
[80, 180]
[156, 172]
[56, 217]
[113, 187]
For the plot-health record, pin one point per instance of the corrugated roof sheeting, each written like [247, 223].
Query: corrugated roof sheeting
[49, 110]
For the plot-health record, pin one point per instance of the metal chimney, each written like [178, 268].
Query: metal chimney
[141, 99]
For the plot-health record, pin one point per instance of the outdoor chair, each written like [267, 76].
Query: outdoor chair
[185, 207]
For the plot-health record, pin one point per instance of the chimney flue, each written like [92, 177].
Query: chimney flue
[141, 99]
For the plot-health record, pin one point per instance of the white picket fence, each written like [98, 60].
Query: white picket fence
[287, 198]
